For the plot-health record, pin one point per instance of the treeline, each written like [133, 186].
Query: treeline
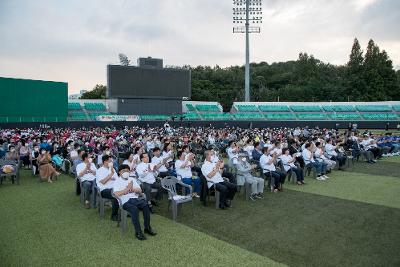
[368, 76]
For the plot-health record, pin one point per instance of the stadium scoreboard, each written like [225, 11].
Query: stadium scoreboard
[146, 82]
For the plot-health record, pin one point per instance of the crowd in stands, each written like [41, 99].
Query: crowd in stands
[126, 165]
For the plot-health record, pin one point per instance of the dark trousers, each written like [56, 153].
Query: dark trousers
[278, 176]
[147, 190]
[299, 173]
[88, 189]
[164, 174]
[133, 206]
[230, 177]
[106, 193]
[25, 160]
[340, 159]
[227, 191]
[376, 151]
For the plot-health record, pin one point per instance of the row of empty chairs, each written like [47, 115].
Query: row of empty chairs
[88, 106]
[315, 108]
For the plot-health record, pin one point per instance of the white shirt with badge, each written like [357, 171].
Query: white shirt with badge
[102, 173]
[264, 163]
[183, 172]
[145, 175]
[206, 169]
[87, 176]
[157, 160]
[120, 184]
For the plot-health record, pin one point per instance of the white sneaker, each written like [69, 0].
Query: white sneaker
[324, 176]
[320, 178]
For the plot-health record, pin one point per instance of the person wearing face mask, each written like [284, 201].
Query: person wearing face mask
[244, 170]
[12, 154]
[105, 177]
[129, 194]
[46, 170]
[87, 174]
[183, 168]
[24, 154]
[34, 157]
[147, 175]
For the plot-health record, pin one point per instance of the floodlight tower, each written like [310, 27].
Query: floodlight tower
[247, 11]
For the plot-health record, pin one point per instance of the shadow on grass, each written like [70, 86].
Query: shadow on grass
[301, 229]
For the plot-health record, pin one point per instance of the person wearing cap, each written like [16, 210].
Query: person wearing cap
[129, 194]
[87, 175]
[105, 177]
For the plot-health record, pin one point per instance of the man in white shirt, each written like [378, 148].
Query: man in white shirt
[310, 161]
[86, 172]
[248, 148]
[330, 150]
[267, 164]
[160, 160]
[212, 172]
[105, 177]
[147, 173]
[128, 192]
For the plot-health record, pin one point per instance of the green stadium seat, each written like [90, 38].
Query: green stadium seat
[190, 107]
[305, 108]
[74, 106]
[246, 108]
[217, 116]
[339, 108]
[208, 108]
[191, 116]
[396, 107]
[373, 108]
[345, 116]
[273, 108]
[95, 106]
[380, 116]
[78, 116]
[248, 116]
[312, 116]
[280, 116]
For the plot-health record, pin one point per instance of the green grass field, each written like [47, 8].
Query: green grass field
[353, 219]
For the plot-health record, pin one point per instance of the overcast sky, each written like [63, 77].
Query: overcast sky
[74, 40]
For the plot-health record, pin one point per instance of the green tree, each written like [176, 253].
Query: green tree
[98, 92]
[355, 83]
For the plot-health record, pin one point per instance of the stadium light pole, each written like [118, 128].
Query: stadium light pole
[247, 11]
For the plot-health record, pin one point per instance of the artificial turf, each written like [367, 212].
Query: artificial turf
[350, 220]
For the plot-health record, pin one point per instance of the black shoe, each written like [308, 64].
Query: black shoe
[150, 232]
[114, 218]
[222, 207]
[140, 236]
[155, 204]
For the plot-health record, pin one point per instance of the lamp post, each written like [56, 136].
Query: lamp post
[247, 11]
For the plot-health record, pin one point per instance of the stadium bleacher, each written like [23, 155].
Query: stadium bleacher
[240, 111]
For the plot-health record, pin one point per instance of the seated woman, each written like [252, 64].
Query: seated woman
[288, 163]
[183, 168]
[46, 170]
[24, 154]
[12, 153]
[34, 157]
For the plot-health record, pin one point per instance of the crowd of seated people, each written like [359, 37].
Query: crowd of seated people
[126, 165]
